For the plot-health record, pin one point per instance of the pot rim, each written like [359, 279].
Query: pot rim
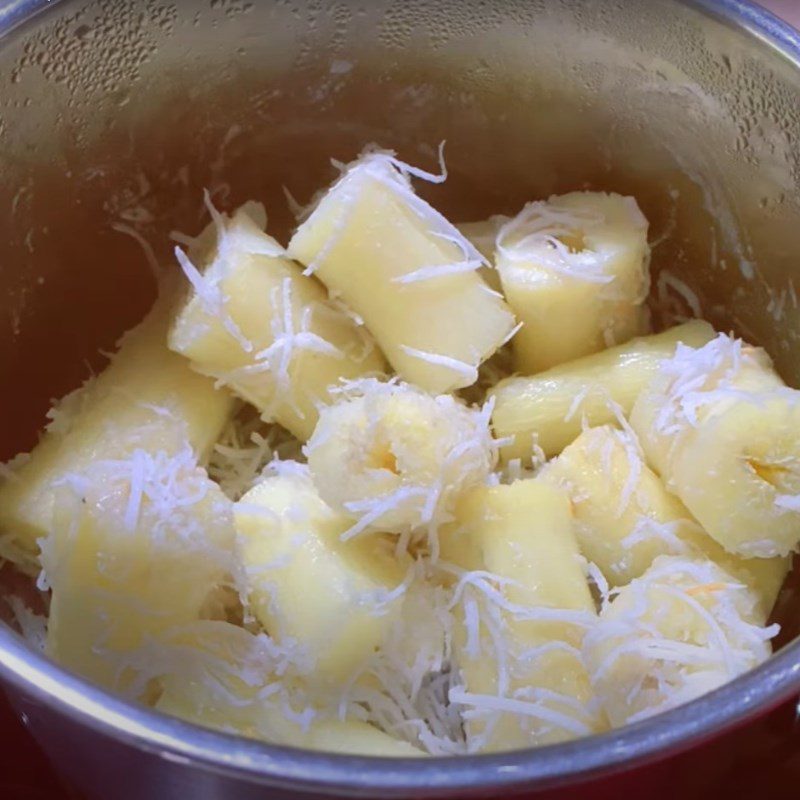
[37, 678]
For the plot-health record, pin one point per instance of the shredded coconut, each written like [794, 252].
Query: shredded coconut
[537, 229]
[681, 629]
[669, 285]
[245, 449]
[147, 249]
[467, 371]
[32, 626]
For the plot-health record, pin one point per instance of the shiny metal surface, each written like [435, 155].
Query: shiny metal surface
[694, 102]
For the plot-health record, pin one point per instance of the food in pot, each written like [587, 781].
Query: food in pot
[280, 354]
[723, 430]
[307, 502]
[396, 459]
[625, 517]
[406, 271]
[289, 538]
[546, 411]
[681, 629]
[575, 270]
[522, 605]
[147, 399]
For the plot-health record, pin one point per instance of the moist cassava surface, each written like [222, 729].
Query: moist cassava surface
[404, 487]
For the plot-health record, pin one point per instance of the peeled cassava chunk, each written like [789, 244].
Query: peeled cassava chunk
[258, 325]
[407, 271]
[334, 598]
[625, 518]
[221, 676]
[146, 398]
[548, 410]
[683, 628]
[523, 605]
[139, 544]
[395, 459]
[575, 270]
[723, 430]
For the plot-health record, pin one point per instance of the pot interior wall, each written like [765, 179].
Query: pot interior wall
[116, 114]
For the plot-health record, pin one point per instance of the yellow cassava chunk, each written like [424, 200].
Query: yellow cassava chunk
[257, 324]
[146, 398]
[625, 518]
[548, 409]
[520, 629]
[395, 459]
[139, 545]
[723, 430]
[334, 598]
[575, 270]
[221, 679]
[680, 630]
[407, 271]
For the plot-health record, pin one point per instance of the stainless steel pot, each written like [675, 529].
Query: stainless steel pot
[115, 113]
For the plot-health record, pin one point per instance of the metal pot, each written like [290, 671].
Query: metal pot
[115, 114]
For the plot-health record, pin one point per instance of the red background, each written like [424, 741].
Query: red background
[760, 761]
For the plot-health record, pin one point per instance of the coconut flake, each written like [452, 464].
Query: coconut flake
[32, 626]
[493, 703]
[211, 298]
[666, 282]
[247, 450]
[537, 228]
[685, 625]
[465, 370]
[147, 249]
